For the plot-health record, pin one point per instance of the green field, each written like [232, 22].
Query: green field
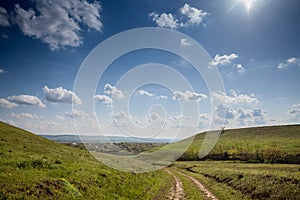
[33, 167]
[229, 180]
[253, 144]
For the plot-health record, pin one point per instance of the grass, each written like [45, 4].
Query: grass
[229, 180]
[33, 167]
[251, 142]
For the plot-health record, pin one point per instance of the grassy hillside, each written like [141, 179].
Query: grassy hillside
[32, 167]
[253, 142]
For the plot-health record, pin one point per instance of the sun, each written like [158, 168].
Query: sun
[248, 4]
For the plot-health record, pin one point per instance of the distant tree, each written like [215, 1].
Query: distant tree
[222, 129]
[271, 154]
[233, 154]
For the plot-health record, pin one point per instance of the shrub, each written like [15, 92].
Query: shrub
[271, 155]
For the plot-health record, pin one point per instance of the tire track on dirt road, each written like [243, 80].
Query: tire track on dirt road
[200, 186]
[177, 192]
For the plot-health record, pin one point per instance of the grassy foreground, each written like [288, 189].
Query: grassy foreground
[229, 180]
[32, 167]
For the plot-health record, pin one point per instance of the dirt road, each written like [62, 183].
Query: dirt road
[177, 191]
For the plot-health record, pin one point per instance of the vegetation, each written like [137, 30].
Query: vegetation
[228, 180]
[33, 167]
[275, 144]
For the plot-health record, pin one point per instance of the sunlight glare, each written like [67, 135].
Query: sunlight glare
[248, 4]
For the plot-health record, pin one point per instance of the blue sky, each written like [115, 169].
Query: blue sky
[253, 44]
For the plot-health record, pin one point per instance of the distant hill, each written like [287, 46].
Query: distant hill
[100, 139]
[33, 167]
[250, 142]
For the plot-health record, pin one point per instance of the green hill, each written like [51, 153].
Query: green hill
[32, 167]
[251, 143]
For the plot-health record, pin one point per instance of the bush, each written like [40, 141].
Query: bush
[271, 155]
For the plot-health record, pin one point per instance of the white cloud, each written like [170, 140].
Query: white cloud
[188, 96]
[236, 98]
[103, 99]
[10, 122]
[4, 17]
[161, 97]
[290, 61]
[185, 42]
[26, 100]
[109, 89]
[164, 20]
[75, 114]
[143, 92]
[6, 104]
[225, 111]
[25, 116]
[258, 113]
[243, 114]
[188, 16]
[57, 23]
[2, 71]
[194, 15]
[296, 105]
[223, 60]
[61, 95]
[240, 68]
[180, 117]
[294, 111]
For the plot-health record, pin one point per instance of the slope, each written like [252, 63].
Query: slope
[32, 167]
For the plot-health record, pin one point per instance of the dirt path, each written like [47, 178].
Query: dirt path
[177, 191]
[206, 192]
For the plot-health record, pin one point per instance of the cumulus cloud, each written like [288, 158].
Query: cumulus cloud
[103, 99]
[194, 15]
[235, 98]
[290, 61]
[243, 114]
[75, 114]
[145, 93]
[6, 104]
[225, 111]
[240, 68]
[112, 90]
[164, 20]
[188, 16]
[26, 100]
[223, 60]
[185, 42]
[119, 115]
[294, 111]
[258, 113]
[180, 117]
[2, 71]
[58, 23]
[161, 97]
[188, 96]
[25, 115]
[61, 95]
[4, 17]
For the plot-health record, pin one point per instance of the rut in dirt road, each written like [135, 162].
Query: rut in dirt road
[177, 192]
[206, 192]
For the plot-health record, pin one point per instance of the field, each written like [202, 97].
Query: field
[259, 144]
[229, 180]
[33, 167]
